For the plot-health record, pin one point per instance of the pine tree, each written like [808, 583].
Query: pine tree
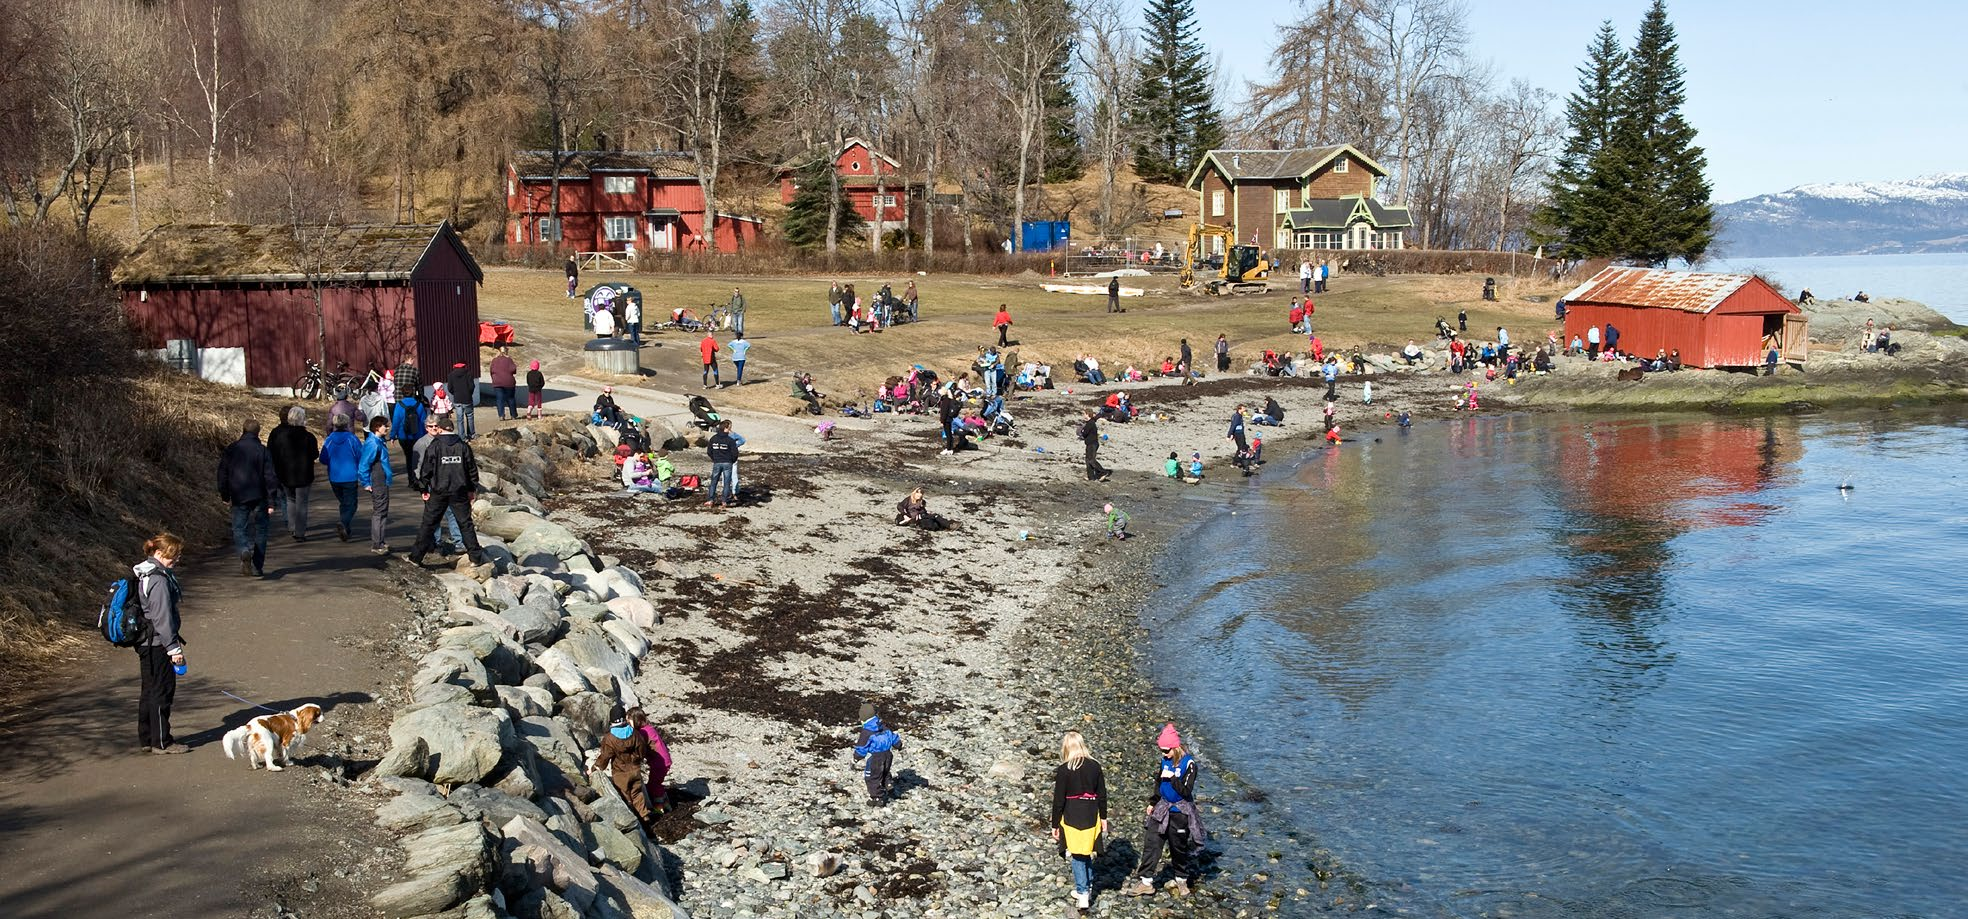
[1065, 159]
[1174, 104]
[806, 214]
[1579, 217]
[1667, 213]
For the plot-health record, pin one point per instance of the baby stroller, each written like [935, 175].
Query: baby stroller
[707, 416]
[1002, 424]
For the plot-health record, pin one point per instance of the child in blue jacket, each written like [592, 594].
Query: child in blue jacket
[874, 749]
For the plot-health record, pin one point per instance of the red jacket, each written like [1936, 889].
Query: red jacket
[1003, 318]
[709, 348]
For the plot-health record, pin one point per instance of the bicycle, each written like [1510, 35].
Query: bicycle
[720, 317]
[309, 385]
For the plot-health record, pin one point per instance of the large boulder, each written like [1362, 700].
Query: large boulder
[493, 806]
[466, 742]
[456, 667]
[446, 866]
[587, 716]
[534, 621]
[417, 812]
[410, 760]
[554, 746]
[590, 647]
[636, 610]
[627, 637]
[526, 701]
[561, 667]
[616, 848]
[544, 537]
[503, 657]
[643, 900]
[461, 590]
[550, 862]
[505, 522]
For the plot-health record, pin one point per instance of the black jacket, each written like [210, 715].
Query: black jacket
[294, 452]
[1071, 789]
[448, 466]
[246, 471]
[723, 449]
[1090, 431]
[1272, 409]
[535, 381]
[459, 383]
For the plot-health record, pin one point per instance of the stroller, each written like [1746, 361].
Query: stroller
[707, 416]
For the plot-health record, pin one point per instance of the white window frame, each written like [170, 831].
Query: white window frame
[618, 185]
[884, 201]
[1216, 203]
[1304, 240]
[1281, 200]
[1339, 165]
[549, 230]
[619, 229]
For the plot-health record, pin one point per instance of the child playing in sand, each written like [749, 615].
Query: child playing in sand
[1195, 467]
[874, 751]
[1172, 468]
[1117, 523]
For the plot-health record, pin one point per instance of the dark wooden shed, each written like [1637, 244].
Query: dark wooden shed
[243, 297]
[1714, 320]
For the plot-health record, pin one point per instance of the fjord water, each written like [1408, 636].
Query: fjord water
[1937, 279]
[1565, 666]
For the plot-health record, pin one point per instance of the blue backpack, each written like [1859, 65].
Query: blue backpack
[122, 620]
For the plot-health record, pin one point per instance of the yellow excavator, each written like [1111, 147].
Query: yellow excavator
[1243, 271]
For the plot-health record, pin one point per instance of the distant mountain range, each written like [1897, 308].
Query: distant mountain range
[1928, 214]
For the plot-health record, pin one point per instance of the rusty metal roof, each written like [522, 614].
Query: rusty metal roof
[1689, 291]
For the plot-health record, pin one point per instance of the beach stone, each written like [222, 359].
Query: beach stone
[446, 864]
[617, 848]
[450, 665]
[627, 637]
[407, 760]
[823, 864]
[637, 611]
[551, 862]
[555, 748]
[479, 907]
[466, 742]
[460, 590]
[502, 657]
[522, 778]
[526, 701]
[405, 786]
[609, 806]
[582, 564]
[472, 615]
[417, 812]
[1009, 770]
[430, 694]
[505, 591]
[534, 621]
[493, 806]
[643, 899]
[614, 569]
[585, 583]
[588, 646]
[586, 715]
[584, 611]
[560, 666]
[549, 538]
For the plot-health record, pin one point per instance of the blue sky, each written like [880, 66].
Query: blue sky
[1782, 93]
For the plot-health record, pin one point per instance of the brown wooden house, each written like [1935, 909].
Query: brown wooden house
[1307, 198]
[236, 302]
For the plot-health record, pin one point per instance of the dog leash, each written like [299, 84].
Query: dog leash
[252, 703]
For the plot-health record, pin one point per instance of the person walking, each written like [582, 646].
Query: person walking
[376, 456]
[1079, 812]
[449, 540]
[407, 426]
[463, 385]
[1114, 294]
[449, 476]
[536, 385]
[624, 751]
[294, 449]
[708, 348]
[1304, 279]
[1222, 354]
[1003, 321]
[342, 453]
[505, 386]
[1090, 436]
[409, 380]
[1188, 365]
[162, 651]
[247, 482]
[1173, 819]
[834, 302]
[723, 451]
[737, 308]
[1236, 437]
[573, 270]
[740, 350]
[632, 319]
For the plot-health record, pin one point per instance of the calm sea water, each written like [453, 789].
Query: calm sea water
[1940, 281]
[1550, 666]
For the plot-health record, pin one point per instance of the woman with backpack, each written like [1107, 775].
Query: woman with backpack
[1079, 811]
[162, 650]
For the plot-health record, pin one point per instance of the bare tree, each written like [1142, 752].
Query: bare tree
[1418, 43]
[561, 71]
[80, 112]
[1027, 37]
[1109, 66]
[699, 64]
[203, 31]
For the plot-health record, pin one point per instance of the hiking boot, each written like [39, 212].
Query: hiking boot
[341, 532]
[245, 564]
[171, 748]
[1179, 887]
[416, 560]
[379, 550]
[1139, 887]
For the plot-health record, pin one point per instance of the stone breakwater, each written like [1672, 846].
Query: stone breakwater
[488, 758]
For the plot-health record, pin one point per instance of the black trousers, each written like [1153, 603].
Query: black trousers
[160, 687]
[877, 774]
[459, 503]
[1094, 469]
[1181, 848]
[1004, 333]
[410, 464]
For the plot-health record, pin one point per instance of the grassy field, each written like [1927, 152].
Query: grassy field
[788, 321]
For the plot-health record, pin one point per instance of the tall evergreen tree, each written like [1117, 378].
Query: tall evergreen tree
[1174, 104]
[1579, 216]
[806, 214]
[1065, 158]
[1667, 214]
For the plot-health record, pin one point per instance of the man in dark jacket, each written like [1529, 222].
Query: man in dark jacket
[723, 450]
[1114, 294]
[247, 482]
[463, 386]
[1090, 435]
[408, 381]
[294, 449]
[1188, 365]
[505, 385]
[449, 478]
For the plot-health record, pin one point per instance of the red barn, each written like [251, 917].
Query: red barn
[243, 298]
[863, 173]
[614, 201]
[1714, 320]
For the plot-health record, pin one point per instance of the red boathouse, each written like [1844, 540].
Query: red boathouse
[235, 303]
[1714, 320]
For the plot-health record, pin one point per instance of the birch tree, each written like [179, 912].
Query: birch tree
[1027, 36]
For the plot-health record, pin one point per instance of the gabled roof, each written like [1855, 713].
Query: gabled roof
[1340, 213]
[235, 253]
[1239, 165]
[671, 164]
[1689, 291]
[853, 142]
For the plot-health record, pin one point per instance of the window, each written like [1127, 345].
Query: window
[1394, 240]
[1339, 165]
[549, 230]
[618, 185]
[1281, 200]
[620, 229]
[1216, 203]
[884, 200]
[1305, 240]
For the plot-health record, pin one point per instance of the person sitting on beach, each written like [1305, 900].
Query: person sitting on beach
[1411, 353]
[1542, 362]
[1168, 366]
[639, 474]
[1117, 523]
[1195, 467]
[1272, 367]
[804, 389]
[606, 412]
[1578, 345]
[1117, 408]
[1674, 360]
[913, 511]
[1272, 413]
[1093, 374]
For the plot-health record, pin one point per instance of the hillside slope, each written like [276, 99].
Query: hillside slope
[1928, 214]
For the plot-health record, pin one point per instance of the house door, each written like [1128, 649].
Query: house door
[662, 234]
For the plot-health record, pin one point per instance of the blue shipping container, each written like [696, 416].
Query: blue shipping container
[1046, 235]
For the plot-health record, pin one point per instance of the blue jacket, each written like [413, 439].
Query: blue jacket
[375, 451]
[407, 425]
[339, 453]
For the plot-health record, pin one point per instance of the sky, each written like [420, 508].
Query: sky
[1781, 93]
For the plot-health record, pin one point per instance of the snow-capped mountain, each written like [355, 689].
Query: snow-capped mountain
[1928, 214]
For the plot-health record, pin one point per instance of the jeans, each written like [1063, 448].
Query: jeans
[345, 501]
[506, 398]
[635, 333]
[1096, 377]
[724, 481]
[1082, 873]
[379, 515]
[297, 508]
[249, 530]
[462, 420]
[710, 373]
[741, 370]
[835, 308]
[738, 322]
[990, 382]
[1262, 418]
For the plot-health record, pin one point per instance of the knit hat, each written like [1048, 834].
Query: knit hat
[1169, 739]
[457, 365]
[534, 366]
[867, 710]
[616, 716]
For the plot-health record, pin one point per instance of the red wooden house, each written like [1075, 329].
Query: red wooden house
[236, 302]
[873, 183]
[1714, 320]
[616, 202]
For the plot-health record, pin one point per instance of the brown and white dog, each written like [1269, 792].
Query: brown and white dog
[268, 734]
